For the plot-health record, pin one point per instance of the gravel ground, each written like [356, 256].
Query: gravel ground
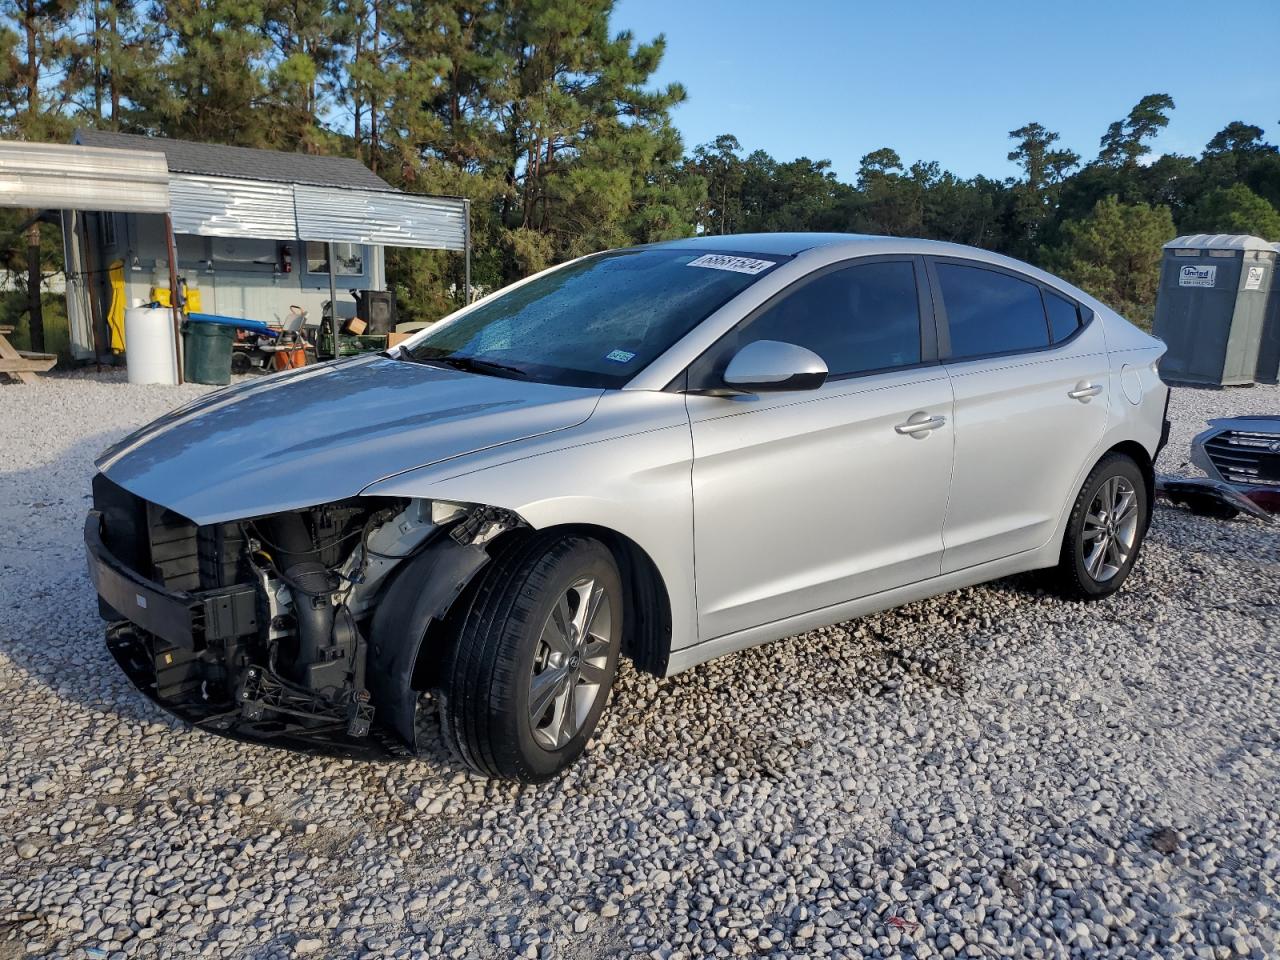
[990, 773]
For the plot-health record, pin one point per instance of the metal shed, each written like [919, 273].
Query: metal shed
[1211, 306]
[53, 176]
[73, 179]
[256, 233]
[1269, 347]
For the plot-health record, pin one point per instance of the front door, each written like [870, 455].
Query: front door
[807, 499]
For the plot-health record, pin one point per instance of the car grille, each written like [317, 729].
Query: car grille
[1246, 457]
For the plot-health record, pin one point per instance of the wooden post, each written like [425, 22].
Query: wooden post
[35, 309]
[333, 297]
[173, 296]
[466, 243]
[93, 293]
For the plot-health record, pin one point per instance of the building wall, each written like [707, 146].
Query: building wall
[235, 277]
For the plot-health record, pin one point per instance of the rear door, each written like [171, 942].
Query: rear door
[805, 499]
[1030, 378]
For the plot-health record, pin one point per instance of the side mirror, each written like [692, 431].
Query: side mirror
[770, 366]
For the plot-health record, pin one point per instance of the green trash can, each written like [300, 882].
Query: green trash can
[206, 350]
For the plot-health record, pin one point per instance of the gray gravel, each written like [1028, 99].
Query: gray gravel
[991, 773]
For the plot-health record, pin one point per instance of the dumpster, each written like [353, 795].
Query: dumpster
[206, 349]
[1269, 348]
[1211, 305]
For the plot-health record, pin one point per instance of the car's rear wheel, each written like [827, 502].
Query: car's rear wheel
[1105, 531]
[534, 659]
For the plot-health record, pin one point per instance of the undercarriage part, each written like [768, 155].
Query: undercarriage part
[138, 653]
[263, 690]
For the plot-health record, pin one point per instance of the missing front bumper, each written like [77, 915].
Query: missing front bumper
[175, 680]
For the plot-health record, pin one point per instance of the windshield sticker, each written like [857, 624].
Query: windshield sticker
[721, 261]
[620, 356]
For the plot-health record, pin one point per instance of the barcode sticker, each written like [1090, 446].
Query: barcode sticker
[722, 261]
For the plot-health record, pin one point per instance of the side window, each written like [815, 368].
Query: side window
[349, 257]
[859, 318]
[990, 312]
[1064, 316]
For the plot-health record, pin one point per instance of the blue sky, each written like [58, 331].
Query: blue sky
[947, 81]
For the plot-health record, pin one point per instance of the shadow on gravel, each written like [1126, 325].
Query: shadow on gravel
[50, 629]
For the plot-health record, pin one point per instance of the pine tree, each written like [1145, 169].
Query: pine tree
[211, 84]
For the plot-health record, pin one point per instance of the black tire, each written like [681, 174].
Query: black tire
[486, 681]
[1072, 577]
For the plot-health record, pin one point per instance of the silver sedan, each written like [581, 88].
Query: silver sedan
[668, 453]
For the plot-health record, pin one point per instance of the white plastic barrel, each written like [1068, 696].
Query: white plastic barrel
[148, 345]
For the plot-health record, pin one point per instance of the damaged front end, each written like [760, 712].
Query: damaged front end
[301, 629]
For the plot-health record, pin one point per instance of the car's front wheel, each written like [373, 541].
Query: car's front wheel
[1105, 530]
[534, 659]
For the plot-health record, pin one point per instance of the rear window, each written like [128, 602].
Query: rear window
[1064, 316]
[990, 312]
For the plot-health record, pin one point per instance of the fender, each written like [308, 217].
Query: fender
[422, 591]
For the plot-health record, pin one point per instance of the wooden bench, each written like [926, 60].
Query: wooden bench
[22, 365]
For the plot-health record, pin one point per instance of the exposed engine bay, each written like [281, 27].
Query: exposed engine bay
[300, 629]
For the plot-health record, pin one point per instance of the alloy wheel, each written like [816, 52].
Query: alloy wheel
[570, 666]
[1110, 529]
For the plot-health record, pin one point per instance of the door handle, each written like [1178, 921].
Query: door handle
[1085, 391]
[919, 425]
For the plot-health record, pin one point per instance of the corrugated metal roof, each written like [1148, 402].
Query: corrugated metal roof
[223, 207]
[246, 163]
[389, 219]
[1218, 241]
[58, 176]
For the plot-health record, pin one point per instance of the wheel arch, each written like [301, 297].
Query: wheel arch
[646, 638]
[1139, 455]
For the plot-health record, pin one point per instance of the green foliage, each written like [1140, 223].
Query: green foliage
[551, 124]
[1114, 254]
[1125, 141]
[1234, 209]
[212, 85]
[1035, 199]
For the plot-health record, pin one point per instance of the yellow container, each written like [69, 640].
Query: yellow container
[160, 295]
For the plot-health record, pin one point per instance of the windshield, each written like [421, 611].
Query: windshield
[596, 322]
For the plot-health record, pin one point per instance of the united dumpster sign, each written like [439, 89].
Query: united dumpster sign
[1193, 276]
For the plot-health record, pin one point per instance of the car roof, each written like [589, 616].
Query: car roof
[832, 246]
[854, 244]
[779, 244]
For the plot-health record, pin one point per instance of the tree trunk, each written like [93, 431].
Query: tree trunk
[33, 62]
[373, 105]
[113, 81]
[356, 106]
[97, 62]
